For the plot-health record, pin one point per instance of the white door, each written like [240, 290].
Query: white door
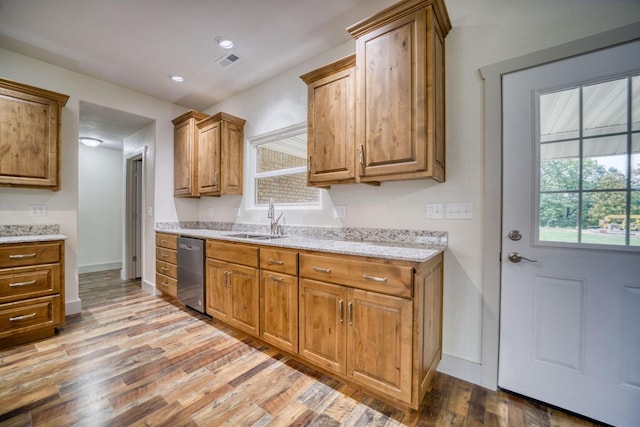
[570, 315]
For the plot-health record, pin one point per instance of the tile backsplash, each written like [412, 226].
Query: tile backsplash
[29, 230]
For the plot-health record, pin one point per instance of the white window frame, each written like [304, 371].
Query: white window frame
[259, 140]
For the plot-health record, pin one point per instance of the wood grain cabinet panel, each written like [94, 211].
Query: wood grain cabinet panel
[233, 290]
[185, 154]
[221, 155]
[331, 123]
[400, 92]
[279, 298]
[167, 264]
[30, 120]
[31, 291]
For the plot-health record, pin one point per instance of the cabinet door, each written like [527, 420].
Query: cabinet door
[218, 289]
[244, 309]
[232, 157]
[322, 327]
[331, 134]
[391, 109]
[209, 160]
[29, 136]
[183, 159]
[279, 310]
[379, 341]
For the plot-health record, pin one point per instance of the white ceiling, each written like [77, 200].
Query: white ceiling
[138, 44]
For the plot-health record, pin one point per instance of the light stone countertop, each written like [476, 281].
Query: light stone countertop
[413, 252]
[32, 238]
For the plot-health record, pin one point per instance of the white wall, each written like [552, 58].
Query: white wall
[62, 206]
[484, 32]
[100, 181]
[142, 143]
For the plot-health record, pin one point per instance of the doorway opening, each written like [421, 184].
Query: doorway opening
[133, 218]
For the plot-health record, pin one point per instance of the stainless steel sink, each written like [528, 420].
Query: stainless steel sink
[253, 236]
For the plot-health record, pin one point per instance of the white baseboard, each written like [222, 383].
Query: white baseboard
[461, 368]
[73, 307]
[92, 268]
[149, 287]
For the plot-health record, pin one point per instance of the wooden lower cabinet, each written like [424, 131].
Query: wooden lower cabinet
[233, 295]
[167, 264]
[364, 335]
[375, 323]
[31, 291]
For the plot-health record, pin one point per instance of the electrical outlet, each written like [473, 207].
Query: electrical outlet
[210, 212]
[434, 211]
[340, 212]
[459, 211]
[149, 211]
[37, 210]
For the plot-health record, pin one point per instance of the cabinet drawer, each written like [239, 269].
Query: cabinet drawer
[233, 252]
[30, 315]
[170, 270]
[167, 255]
[279, 260]
[29, 254]
[169, 241]
[372, 276]
[29, 282]
[167, 285]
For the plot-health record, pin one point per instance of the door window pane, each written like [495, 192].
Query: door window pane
[559, 118]
[605, 108]
[559, 217]
[603, 217]
[634, 227]
[635, 162]
[604, 164]
[635, 101]
[560, 166]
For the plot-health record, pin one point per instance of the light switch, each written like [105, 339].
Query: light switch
[459, 211]
[149, 211]
[37, 210]
[434, 211]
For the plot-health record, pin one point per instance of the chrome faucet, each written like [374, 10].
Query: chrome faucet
[276, 230]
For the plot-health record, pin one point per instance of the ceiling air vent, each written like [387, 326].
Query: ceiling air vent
[227, 59]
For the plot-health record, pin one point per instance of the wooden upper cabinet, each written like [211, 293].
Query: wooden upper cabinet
[185, 154]
[400, 116]
[221, 155]
[331, 123]
[30, 120]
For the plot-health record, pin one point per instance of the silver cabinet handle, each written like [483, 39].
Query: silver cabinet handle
[349, 310]
[374, 278]
[340, 303]
[321, 269]
[515, 258]
[164, 255]
[20, 256]
[24, 317]
[275, 261]
[15, 285]
[165, 284]
[215, 179]
[276, 278]
[164, 242]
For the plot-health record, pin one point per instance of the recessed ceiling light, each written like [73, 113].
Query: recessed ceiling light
[176, 78]
[90, 142]
[224, 42]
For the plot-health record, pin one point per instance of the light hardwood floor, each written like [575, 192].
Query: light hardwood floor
[135, 359]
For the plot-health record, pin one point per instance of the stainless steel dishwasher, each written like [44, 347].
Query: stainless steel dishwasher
[191, 273]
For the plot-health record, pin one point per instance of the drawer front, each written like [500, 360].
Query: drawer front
[167, 285]
[166, 269]
[29, 282]
[169, 241]
[233, 252]
[29, 254]
[167, 255]
[29, 315]
[279, 260]
[371, 276]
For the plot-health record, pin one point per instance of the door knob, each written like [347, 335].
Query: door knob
[515, 235]
[515, 258]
